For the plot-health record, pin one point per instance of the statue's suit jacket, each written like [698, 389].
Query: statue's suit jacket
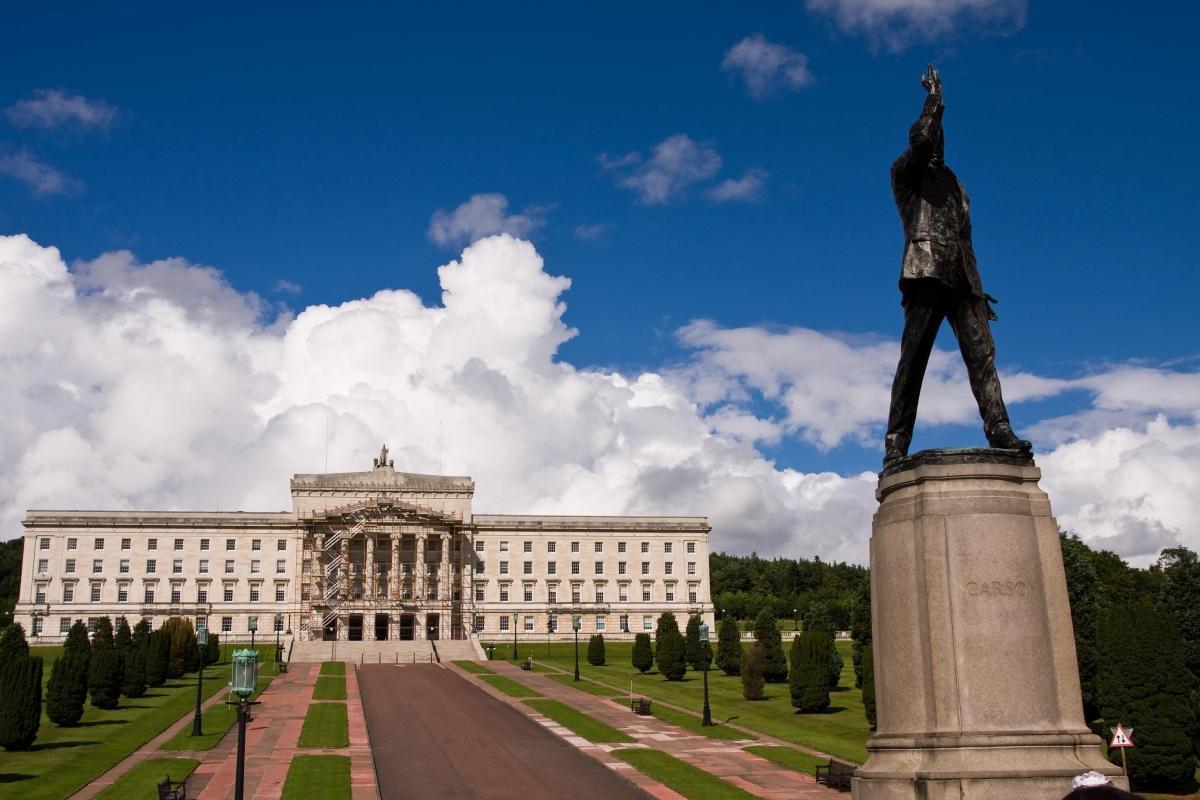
[933, 208]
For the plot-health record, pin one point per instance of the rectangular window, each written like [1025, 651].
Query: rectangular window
[229, 566]
[528, 594]
[551, 568]
[123, 567]
[176, 594]
[503, 594]
[504, 547]
[479, 545]
[151, 566]
[44, 544]
[504, 622]
[479, 566]
[39, 593]
[691, 567]
[123, 593]
[527, 547]
[550, 547]
[645, 593]
[575, 594]
[599, 594]
[253, 593]
[98, 544]
[645, 547]
[600, 623]
[692, 594]
[621, 567]
[599, 568]
[574, 567]
[226, 624]
[148, 595]
[528, 623]
[281, 566]
[201, 595]
[230, 544]
[68, 593]
[624, 623]
[527, 568]
[256, 544]
[278, 623]
[574, 547]
[126, 544]
[503, 567]
[691, 547]
[97, 566]
[668, 567]
[623, 593]
[478, 593]
[70, 566]
[645, 567]
[599, 547]
[71, 542]
[670, 594]
[279, 592]
[177, 566]
[281, 544]
[179, 544]
[91, 624]
[152, 544]
[204, 566]
[228, 594]
[204, 544]
[43, 565]
[478, 625]
[667, 547]
[620, 547]
[552, 595]
[647, 623]
[64, 625]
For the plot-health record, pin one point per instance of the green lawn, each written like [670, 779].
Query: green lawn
[598, 689]
[787, 757]
[842, 731]
[578, 723]
[325, 726]
[509, 686]
[691, 722]
[318, 778]
[62, 760]
[333, 668]
[473, 666]
[141, 782]
[330, 687]
[691, 782]
[215, 722]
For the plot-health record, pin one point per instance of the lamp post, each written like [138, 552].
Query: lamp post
[795, 619]
[245, 678]
[707, 716]
[202, 647]
[278, 654]
[549, 636]
[516, 621]
[575, 627]
[253, 630]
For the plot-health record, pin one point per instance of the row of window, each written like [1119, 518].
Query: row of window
[64, 624]
[552, 546]
[152, 544]
[597, 567]
[123, 567]
[148, 594]
[526, 622]
[599, 593]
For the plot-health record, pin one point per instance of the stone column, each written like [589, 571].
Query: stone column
[976, 681]
[369, 578]
[419, 569]
[444, 571]
[394, 575]
[317, 576]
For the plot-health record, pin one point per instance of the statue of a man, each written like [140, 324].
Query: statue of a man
[939, 279]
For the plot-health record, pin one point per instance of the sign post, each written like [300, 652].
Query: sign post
[1121, 739]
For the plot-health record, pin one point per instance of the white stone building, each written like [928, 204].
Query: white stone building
[376, 555]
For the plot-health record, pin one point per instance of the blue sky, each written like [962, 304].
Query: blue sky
[305, 153]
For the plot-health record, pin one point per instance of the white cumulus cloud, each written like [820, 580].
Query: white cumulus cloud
[483, 215]
[767, 67]
[49, 109]
[677, 163]
[746, 188]
[896, 24]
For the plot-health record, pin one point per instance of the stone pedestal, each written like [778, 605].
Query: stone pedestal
[976, 679]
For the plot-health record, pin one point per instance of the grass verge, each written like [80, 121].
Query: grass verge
[591, 687]
[690, 722]
[509, 686]
[318, 778]
[691, 782]
[578, 723]
[330, 687]
[325, 726]
[333, 668]
[787, 757]
[473, 666]
[215, 722]
[141, 782]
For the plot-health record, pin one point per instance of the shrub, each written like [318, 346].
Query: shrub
[670, 656]
[182, 642]
[104, 668]
[68, 686]
[214, 648]
[753, 666]
[1144, 684]
[729, 647]
[860, 627]
[595, 653]
[134, 682]
[693, 651]
[123, 641]
[666, 623]
[809, 681]
[766, 631]
[643, 653]
[20, 690]
[158, 653]
[868, 684]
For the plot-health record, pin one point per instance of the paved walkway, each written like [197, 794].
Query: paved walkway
[437, 736]
[723, 758]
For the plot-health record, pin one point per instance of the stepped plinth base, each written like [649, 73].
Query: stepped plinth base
[977, 686]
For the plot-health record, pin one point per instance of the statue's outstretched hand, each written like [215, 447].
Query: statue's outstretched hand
[931, 80]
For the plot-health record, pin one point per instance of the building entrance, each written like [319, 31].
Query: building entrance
[356, 625]
[406, 627]
[433, 623]
[381, 627]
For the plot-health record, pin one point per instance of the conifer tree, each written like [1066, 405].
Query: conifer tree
[766, 631]
[819, 617]
[643, 653]
[214, 648]
[158, 653]
[666, 622]
[809, 680]
[68, 686]
[754, 663]
[182, 639]
[669, 653]
[595, 651]
[104, 669]
[134, 683]
[1144, 684]
[20, 690]
[860, 627]
[868, 684]
[729, 646]
[693, 652]
[123, 641]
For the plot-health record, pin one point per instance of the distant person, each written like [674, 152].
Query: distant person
[1094, 786]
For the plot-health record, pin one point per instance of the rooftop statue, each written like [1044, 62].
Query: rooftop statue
[939, 279]
[382, 461]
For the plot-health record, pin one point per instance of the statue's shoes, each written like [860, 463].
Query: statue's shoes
[1003, 438]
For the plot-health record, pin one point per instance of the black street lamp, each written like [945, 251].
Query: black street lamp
[575, 626]
[795, 619]
[202, 647]
[245, 680]
[707, 716]
[253, 630]
[278, 650]
[516, 619]
[549, 635]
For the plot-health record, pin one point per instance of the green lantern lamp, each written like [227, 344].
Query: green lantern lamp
[245, 673]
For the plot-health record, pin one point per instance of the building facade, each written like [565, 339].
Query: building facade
[373, 555]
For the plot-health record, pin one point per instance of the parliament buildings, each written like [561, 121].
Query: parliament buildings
[363, 556]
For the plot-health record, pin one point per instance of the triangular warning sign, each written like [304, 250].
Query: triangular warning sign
[1121, 737]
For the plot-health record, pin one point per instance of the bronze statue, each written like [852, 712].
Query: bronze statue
[382, 461]
[939, 279]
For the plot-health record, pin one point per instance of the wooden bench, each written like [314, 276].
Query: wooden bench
[836, 774]
[527, 665]
[172, 790]
[640, 706]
